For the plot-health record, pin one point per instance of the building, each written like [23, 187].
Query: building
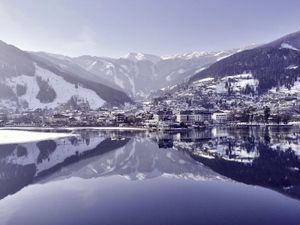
[194, 116]
[220, 117]
[202, 116]
[59, 119]
[120, 117]
[185, 116]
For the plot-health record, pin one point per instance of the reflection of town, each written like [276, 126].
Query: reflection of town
[267, 157]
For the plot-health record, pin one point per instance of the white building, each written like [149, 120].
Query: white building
[220, 117]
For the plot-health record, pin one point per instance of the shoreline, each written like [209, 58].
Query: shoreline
[27, 136]
[74, 128]
[229, 125]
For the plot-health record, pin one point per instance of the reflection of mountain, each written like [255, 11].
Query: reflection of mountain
[139, 159]
[265, 157]
[135, 157]
[273, 169]
[23, 164]
[253, 157]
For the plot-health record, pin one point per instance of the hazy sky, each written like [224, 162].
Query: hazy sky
[116, 27]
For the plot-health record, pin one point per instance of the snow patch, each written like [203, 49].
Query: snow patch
[186, 56]
[63, 89]
[238, 76]
[295, 89]
[208, 79]
[199, 70]
[18, 136]
[288, 46]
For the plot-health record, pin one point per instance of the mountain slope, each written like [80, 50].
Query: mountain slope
[274, 64]
[289, 41]
[139, 74]
[28, 81]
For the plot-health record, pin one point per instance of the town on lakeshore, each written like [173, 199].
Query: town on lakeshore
[200, 105]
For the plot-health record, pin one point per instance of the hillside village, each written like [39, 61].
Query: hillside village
[231, 100]
[251, 87]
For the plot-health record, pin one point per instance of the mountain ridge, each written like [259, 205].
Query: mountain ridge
[270, 63]
[28, 81]
[132, 71]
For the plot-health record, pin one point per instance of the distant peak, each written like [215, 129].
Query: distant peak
[133, 56]
[190, 55]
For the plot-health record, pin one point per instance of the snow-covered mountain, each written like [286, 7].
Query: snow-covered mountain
[29, 81]
[290, 41]
[139, 74]
[273, 65]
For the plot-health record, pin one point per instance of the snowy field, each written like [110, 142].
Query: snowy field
[22, 136]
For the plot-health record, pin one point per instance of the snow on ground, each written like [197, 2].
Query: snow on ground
[200, 69]
[245, 82]
[203, 80]
[19, 136]
[287, 145]
[293, 90]
[239, 76]
[223, 57]
[288, 46]
[73, 128]
[59, 85]
[108, 128]
[240, 81]
[185, 56]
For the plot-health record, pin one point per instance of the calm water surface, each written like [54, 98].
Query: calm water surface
[217, 176]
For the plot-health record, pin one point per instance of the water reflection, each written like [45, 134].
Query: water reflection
[23, 164]
[265, 157]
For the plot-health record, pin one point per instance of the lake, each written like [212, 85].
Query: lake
[97, 177]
